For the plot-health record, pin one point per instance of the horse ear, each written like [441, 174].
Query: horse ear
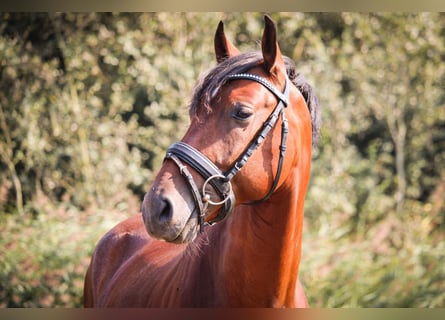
[273, 60]
[223, 47]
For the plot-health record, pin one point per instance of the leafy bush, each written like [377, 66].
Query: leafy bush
[89, 103]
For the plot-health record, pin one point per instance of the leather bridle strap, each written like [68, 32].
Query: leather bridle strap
[268, 124]
[195, 191]
[209, 172]
[262, 133]
[282, 97]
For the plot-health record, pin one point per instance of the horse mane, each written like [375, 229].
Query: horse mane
[209, 84]
[308, 93]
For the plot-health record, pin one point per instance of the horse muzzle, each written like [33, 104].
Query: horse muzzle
[169, 215]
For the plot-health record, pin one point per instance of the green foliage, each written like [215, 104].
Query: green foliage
[398, 262]
[90, 102]
[44, 258]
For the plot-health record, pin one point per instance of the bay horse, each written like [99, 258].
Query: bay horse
[222, 222]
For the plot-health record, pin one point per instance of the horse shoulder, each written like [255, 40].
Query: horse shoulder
[112, 251]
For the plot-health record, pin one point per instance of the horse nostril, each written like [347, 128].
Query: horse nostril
[166, 212]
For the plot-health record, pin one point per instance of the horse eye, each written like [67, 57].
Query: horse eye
[242, 113]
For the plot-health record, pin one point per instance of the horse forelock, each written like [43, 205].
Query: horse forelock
[209, 85]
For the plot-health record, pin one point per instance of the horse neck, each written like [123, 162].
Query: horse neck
[261, 248]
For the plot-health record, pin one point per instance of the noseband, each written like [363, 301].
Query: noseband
[182, 152]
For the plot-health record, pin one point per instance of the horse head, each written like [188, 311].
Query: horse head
[250, 126]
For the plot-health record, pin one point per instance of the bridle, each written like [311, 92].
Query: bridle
[181, 152]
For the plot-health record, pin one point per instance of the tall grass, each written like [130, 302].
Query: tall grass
[398, 262]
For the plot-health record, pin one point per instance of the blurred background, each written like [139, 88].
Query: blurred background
[90, 102]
